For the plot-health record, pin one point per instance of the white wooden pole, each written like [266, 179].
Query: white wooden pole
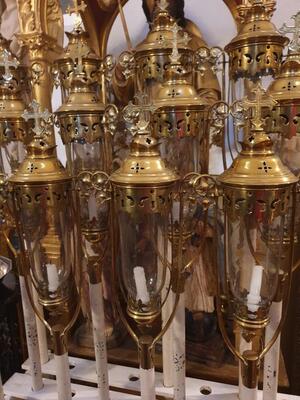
[271, 361]
[31, 338]
[147, 379]
[41, 329]
[63, 379]
[97, 310]
[167, 340]
[179, 355]
[1, 390]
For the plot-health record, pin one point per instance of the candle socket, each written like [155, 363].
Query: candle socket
[146, 357]
[250, 369]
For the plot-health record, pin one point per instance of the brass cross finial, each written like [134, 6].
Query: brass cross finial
[294, 45]
[77, 7]
[175, 56]
[139, 112]
[7, 61]
[77, 52]
[37, 115]
[261, 100]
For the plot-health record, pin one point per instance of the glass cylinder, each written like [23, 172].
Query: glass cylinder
[257, 222]
[144, 238]
[47, 221]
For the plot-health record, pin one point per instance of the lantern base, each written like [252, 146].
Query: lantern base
[123, 378]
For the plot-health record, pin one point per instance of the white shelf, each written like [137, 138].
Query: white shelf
[119, 377]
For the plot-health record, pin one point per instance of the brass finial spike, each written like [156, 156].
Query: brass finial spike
[7, 61]
[140, 111]
[262, 99]
[77, 7]
[294, 45]
[38, 116]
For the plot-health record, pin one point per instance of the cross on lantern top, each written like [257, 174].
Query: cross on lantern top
[37, 115]
[77, 52]
[176, 40]
[261, 100]
[294, 45]
[140, 111]
[7, 61]
[77, 7]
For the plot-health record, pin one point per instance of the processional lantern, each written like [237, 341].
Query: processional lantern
[257, 207]
[13, 128]
[142, 196]
[151, 58]
[46, 216]
[89, 150]
[257, 49]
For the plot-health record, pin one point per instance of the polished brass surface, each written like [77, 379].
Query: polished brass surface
[250, 369]
[257, 48]
[145, 352]
[257, 165]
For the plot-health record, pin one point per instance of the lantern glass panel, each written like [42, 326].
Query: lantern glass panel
[48, 227]
[12, 154]
[84, 156]
[257, 223]
[144, 252]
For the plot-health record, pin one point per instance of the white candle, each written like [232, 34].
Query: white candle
[176, 210]
[141, 285]
[92, 206]
[53, 281]
[253, 297]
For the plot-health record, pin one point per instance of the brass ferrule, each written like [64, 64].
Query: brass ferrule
[145, 352]
[280, 289]
[59, 341]
[250, 369]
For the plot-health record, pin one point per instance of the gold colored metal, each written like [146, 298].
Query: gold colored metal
[257, 165]
[12, 88]
[41, 36]
[257, 49]
[250, 369]
[145, 352]
[285, 88]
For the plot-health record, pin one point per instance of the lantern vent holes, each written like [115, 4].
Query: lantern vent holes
[265, 167]
[31, 168]
[148, 141]
[73, 394]
[205, 390]
[137, 168]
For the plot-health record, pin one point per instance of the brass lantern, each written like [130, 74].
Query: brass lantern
[285, 118]
[13, 128]
[179, 121]
[147, 65]
[257, 207]
[142, 196]
[45, 212]
[257, 49]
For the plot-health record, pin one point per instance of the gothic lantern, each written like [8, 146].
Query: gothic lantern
[152, 56]
[256, 51]
[257, 206]
[13, 128]
[142, 195]
[179, 121]
[283, 120]
[45, 211]
[285, 89]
